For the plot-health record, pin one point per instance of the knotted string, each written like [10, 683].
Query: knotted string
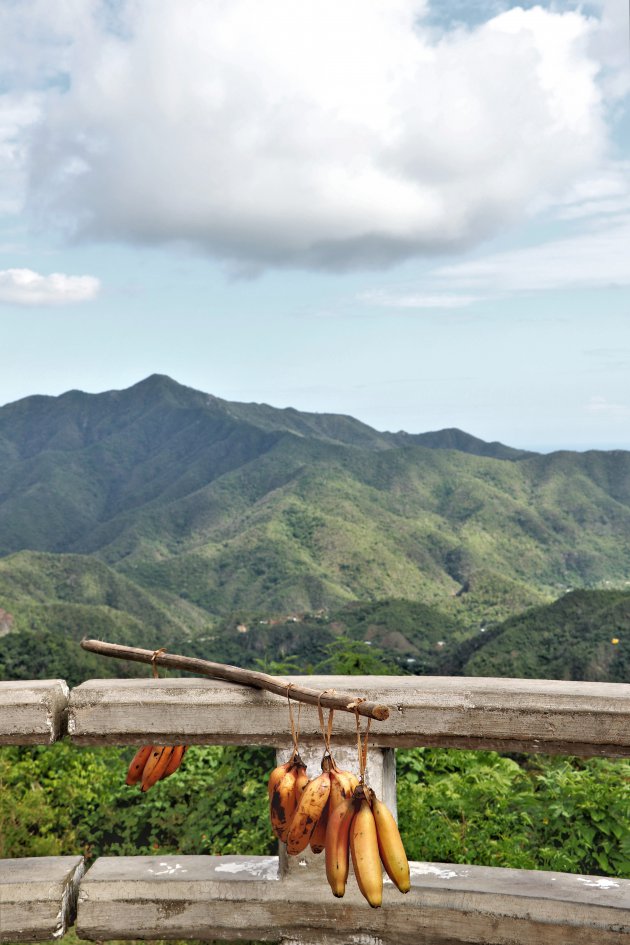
[362, 749]
[326, 729]
[156, 653]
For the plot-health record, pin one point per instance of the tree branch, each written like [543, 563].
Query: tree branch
[246, 677]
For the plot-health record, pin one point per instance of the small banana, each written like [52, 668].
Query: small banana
[342, 785]
[391, 846]
[283, 802]
[301, 781]
[175, 760]
[318, 837]
[365, 855]
[156, 765]
[309, 810]
[138, 762]
[277, 775]
[337, 841]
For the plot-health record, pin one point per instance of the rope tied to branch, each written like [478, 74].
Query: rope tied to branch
[156, 655]
[326, 729]
[362, 749]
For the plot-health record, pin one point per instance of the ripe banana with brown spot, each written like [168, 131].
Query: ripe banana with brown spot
[391, 846]
[310, 807]
[366, 859]
[301, 781]
[337, 845]
[342, 785]
[156, 765]
[284, 801]
[277, 775]
[138, 762]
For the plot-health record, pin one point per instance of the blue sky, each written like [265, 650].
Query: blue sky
[418, 215]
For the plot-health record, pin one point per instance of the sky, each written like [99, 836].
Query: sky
[413, 212]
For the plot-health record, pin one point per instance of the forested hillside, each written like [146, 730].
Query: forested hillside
[241, 506]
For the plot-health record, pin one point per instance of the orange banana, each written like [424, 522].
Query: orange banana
[175, 760]
[318, 837]
[138, 762]
[309, 810]
[337, 843]
[277, 775]
[156, 765]
[283, 802]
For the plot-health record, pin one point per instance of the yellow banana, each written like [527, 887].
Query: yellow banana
[318, 837]
[309, 810]
[175, 760]
[391, 846]
[365, 856]
[138, 762]
[156, 765]
[337, 841]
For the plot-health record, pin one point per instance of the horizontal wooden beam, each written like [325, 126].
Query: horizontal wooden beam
[529, 715]
[38, 897]
[204, 897]
[32, 712]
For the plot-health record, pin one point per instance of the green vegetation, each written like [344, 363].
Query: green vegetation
[562, 814]
[454, 806]
[571, 639]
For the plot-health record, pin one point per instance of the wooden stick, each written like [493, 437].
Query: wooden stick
[245, 677]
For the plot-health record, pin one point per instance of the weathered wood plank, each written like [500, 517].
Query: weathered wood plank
[38, 897]
[241, 897]
[531, 715]
[33, 712]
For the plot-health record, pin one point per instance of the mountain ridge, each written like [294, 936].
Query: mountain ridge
[231, 506]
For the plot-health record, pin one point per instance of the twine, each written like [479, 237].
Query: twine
[326, 729]
[362, 749]
[156, 654]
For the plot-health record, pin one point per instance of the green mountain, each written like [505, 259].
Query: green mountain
[51, 601]
[583, 635]
[233, 507]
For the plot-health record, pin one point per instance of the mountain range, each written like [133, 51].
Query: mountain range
[179, 510]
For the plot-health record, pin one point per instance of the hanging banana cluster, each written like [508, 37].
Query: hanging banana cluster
[337, 813]
[153, 763]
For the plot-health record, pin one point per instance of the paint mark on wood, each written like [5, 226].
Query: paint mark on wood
[256, 867]
[168, 869]
[602, 883]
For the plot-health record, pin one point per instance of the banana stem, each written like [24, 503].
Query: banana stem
[244, 677]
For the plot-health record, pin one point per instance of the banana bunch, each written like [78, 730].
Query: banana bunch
[336, 813]
[285, 787]
[367, 828]
[153, 763]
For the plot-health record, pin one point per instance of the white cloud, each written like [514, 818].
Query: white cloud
[316, 134]
[25, 287]
[417, 300]
[599, 406]
[596, 258]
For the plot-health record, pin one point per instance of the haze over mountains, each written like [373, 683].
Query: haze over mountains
[213, 508]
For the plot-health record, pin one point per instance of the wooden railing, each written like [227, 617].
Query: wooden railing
[271, 899]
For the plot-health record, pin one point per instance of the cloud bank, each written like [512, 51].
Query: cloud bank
[25, 287]
[320, 134]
